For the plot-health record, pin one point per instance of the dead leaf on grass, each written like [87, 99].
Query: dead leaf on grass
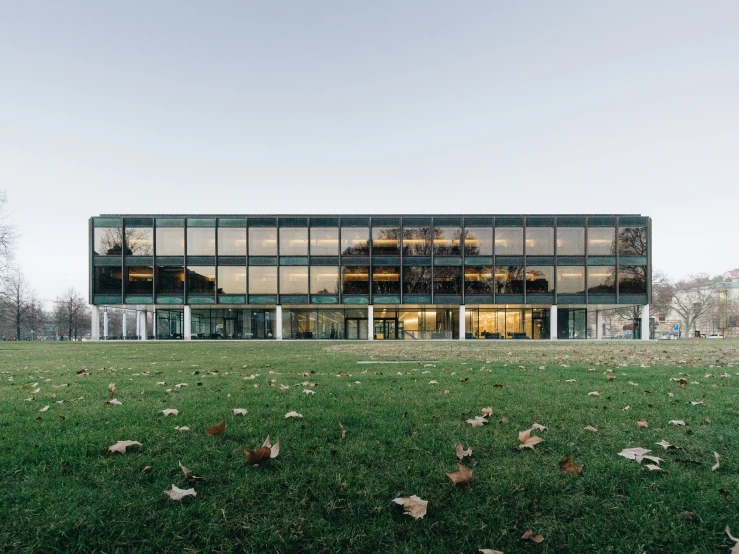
[121, 446]
[529, 535]
[461, 477]
[170, 411]
[717, 465]
[413, 505]
[293, 414]
[642, 423]
[111, 389]
[488, 551]
[343, 431]
[569, 468]
[591, 428]
[462, 453]
[486, 412]
[115, 402]
[217, 429]
[240, 411]
[44, 408]
[528, 441]
[735, 548]
[677, 422]
[479, 421]
[594, 393]
[183, 428]
[186, 472]
[178, 494]
[266, 452]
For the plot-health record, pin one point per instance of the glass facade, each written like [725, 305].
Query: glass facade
[232, 324]
[429, 264]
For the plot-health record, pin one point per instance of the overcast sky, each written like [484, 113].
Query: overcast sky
[369, 107]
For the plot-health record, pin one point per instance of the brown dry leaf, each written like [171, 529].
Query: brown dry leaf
[488, 551]
[682, 382]
[642, 423]
[178, 494]
[343, 431]
[594, 393]
[718, 465]
[115, 402]
[479, 421]
[591, 428]
[735, 548]
[527, 441]
[217, 429]
[461, 477]
[413, 505]
[677, 422]
[292, 414]
[486, 412]
[240, 411]
[462, 453]
[262, 454]
[284, 387]
[183, 428]
[186, 472]
[121, 446]
[111, 389]
[529, 535]
[170, 411]
[146, 469]
[503, 420]
[666, 445]
[569, 468]
[652, 467]
[537, 427]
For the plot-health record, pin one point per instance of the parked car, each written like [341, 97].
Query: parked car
[715, 336]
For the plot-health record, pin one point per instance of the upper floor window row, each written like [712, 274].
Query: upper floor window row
[383, 241]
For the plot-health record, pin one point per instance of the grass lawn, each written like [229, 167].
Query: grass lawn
[62, 491]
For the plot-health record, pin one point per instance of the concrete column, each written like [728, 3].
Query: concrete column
[553, 323]
[144, 329]
[95, 323]
[105, 323]
[461, 323]
[125, 317]
[645, 322]
[370, 322]
[187, 324]
[138, 323]
[278, 322]
[599, 324]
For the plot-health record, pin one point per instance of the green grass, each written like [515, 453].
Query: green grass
[61, 491]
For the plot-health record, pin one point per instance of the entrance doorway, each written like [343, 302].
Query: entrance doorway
[386, 329]
[355, 328]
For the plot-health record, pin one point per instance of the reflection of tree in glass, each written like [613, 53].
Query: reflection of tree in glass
[111, 241]
[537, 281]
[479, 281]
[509, 279]
[447, 241]
[633, 279]
[417, 241]
[379, 246]
[607, 285]
[138, 242]
[361, 247]
[417, 280]
[386, 280]
[632, 241]
[470, 248]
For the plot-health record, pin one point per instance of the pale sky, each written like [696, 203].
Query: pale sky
[421, 106]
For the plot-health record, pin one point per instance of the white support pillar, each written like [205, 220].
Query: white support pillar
[278, 322]
[370, 322]
[125, 317]
[187, 324]
[599, 324]
[105, 323]
[138, 323]
[144, 329]
[462, 335]
[645, 322]
[95, 323]
[553, 323]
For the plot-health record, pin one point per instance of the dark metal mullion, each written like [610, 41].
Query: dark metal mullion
[186, 281]
[401, 246]
[433, 269]
[495, 284]
[246, 263]
[277, 227]
[618, 268]
[215, 291]
[587, 262]
[525, 262]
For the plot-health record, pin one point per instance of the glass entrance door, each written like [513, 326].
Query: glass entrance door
[386, 329]
[355, 328]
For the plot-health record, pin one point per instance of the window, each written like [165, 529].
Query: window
[448, 280]
[416, 241]
[324, 241]
[601, 241]
[262, 280]
[386, 280]
[139, 280]
[478, 280]
[509, 279]
[447, 241]
[355, 241]
[570, 241]
[602, 279]
[540, 280]
[385, 241]
[478, 241]
[201, 241]
[509, 241]
[108, 241]
[540, 241]
[324, 280]
[231, 241]
[293, 241]
[231, 279]
[170, 280]
[355, 280]
[262, 241]
[139, 241]
[107, 280]
[632, 279]
[570, 279]
[170, 241]
[632, 241]
[201, 279]
[417, 280]
[294, 280]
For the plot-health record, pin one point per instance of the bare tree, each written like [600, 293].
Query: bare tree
[694, 297]
[663, 292]
[19, 299]
[8, 235]
[70, 313]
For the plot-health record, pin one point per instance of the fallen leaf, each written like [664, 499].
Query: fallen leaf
[178, 494]
[676, 422]
[527, 441]
[161, 382]
[652, 467]
[486, 412]
[461, 477]
[479, 421]
[697, 403]
[715, 467]
[121, 446]
[569, 468]
[111, 389]
[529, 535]
[217, 429]
[633, 453]
[666, 445]
[462, 453]
[433, 382]
[490, 550]
[146, 469]
[503, 420]
[343, 431]
[591, 428]
[594, 393]
[292, 414]
[184, 428]
[538, 427]
[284, 387]
[569, 380]
[308, 391]
[186, 472]
[115, 402]
[170, 411]
[735, 548]
[682, 382]
[44, 408]
[240, 411]
[180, 385]
[642, 423]
[412, 505]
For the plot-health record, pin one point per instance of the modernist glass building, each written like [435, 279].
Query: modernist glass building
[369, 277]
